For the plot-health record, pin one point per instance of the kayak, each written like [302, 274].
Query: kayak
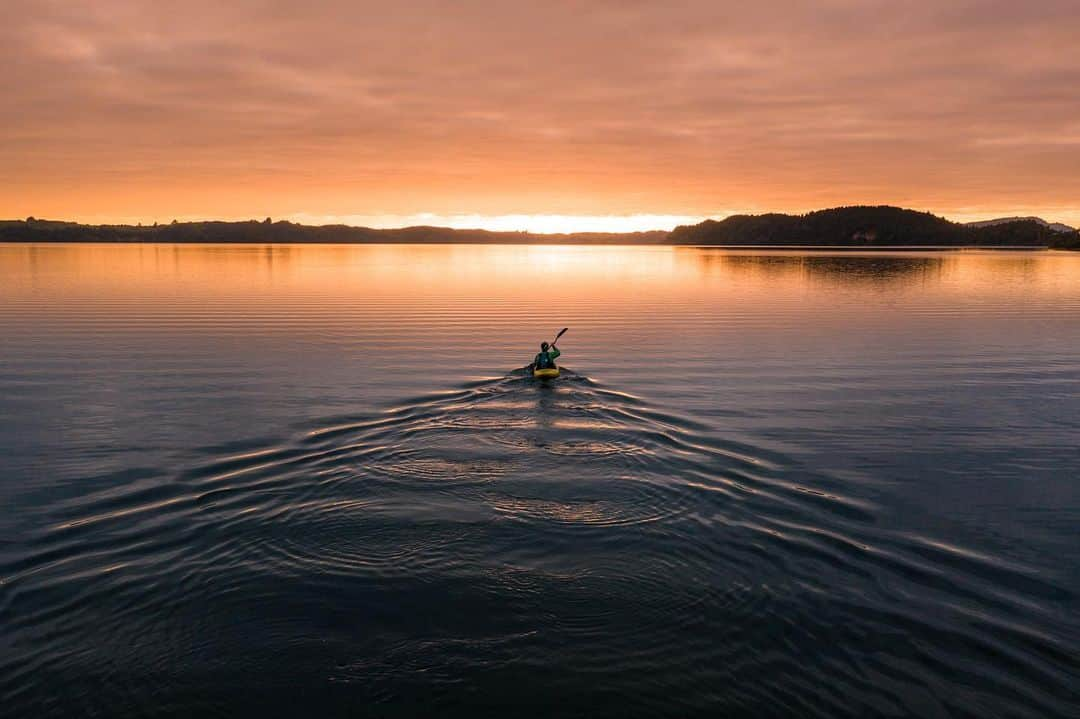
[550, 373]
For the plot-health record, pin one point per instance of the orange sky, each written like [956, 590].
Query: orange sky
[552, 115]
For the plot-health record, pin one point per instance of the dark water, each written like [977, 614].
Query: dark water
[305, 481]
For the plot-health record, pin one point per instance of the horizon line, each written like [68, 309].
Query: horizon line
[535, 224]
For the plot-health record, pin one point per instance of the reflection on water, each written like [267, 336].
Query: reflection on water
[849, 268]
[96, 268]
[273, 480]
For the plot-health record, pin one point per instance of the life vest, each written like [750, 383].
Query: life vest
[544, 361]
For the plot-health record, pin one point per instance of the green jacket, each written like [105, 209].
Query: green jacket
[541, 362]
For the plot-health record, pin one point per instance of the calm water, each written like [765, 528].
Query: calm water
[243, 480]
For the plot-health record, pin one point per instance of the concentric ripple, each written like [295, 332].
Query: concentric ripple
[499, 535]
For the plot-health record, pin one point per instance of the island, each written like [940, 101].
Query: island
[858, 226]
[874, 226]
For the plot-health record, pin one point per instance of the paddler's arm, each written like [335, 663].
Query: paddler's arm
[554, 352]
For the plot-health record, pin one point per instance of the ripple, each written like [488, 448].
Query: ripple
[420, 470]
[622, 501]
[510, 527]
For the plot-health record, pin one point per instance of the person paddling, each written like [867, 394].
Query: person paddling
[546, 358]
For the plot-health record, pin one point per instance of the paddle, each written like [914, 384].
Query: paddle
[561, 333]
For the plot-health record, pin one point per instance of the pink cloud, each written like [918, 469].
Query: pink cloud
[358, 108]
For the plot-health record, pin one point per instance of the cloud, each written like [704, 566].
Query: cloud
[560, 108]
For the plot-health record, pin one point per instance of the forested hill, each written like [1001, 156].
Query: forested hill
[867, 226]
[861, 226]
[34, 230]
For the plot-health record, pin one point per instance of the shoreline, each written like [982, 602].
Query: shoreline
[854, 227]
[803, 248]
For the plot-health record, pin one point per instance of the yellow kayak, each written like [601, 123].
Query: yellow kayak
[551, 373]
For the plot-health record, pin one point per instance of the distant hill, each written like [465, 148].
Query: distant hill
[33, 230]
[859, 226]
[1055, 226]
[867, 226]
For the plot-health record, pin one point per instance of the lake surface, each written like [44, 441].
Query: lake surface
[306, 480]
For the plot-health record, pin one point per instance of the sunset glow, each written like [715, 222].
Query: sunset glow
[550, 117]
[542, 224]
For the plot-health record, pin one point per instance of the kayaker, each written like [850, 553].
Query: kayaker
[546, 358]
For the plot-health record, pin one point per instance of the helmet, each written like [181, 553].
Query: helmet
[543, 346]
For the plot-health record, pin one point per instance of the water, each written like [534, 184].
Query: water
[243, 480]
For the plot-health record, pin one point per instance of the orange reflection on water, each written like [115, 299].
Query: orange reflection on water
[499, 278]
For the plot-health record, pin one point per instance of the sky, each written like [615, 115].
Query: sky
[548, 116]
